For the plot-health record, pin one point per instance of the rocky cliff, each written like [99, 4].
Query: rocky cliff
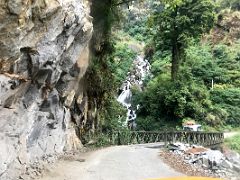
[44, 53]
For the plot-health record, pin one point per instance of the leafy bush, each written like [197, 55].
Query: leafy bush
[220, 66]
[113, 116]
[137, 28]
[164, 101]
[228, 99]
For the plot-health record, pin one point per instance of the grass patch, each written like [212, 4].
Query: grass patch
[233, 143]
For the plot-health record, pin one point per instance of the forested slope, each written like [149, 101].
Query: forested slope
[205, 85]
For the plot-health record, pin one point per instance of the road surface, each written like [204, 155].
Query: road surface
[135, 162]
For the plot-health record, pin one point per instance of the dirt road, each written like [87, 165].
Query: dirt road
[136, 162]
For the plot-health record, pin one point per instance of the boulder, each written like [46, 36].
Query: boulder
[205, 162]
[236, 168]
[214, 156]
[226, 164]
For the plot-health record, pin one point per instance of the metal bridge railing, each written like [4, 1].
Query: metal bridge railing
[140, 137]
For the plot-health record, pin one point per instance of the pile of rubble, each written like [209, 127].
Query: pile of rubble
[225, 165]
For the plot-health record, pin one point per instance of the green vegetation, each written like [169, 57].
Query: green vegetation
[178, 22]
[233, 143]
[232, 4]
[113, 115]
[111, 60]
[207, 85]
[194, 50]
[137, 28]
[123, 57]
[164, 102]
[101, 85]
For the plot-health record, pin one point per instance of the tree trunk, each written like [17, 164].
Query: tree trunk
[175, 61]
[175, 49]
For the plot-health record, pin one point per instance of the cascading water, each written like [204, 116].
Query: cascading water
[141, 68]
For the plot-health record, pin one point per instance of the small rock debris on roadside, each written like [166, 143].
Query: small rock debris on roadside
[195, 160]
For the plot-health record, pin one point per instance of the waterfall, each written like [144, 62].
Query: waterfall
[141, 68]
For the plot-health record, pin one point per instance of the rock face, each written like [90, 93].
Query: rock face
[44, 53]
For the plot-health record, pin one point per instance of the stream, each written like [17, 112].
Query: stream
[141, 68]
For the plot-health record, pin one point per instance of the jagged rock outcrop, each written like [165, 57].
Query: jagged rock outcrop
[44, 53]
[226, 29]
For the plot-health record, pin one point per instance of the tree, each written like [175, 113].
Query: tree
[179, 21]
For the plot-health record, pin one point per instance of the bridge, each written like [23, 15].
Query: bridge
[141, 137]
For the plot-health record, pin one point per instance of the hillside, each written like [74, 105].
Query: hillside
[207, 87]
